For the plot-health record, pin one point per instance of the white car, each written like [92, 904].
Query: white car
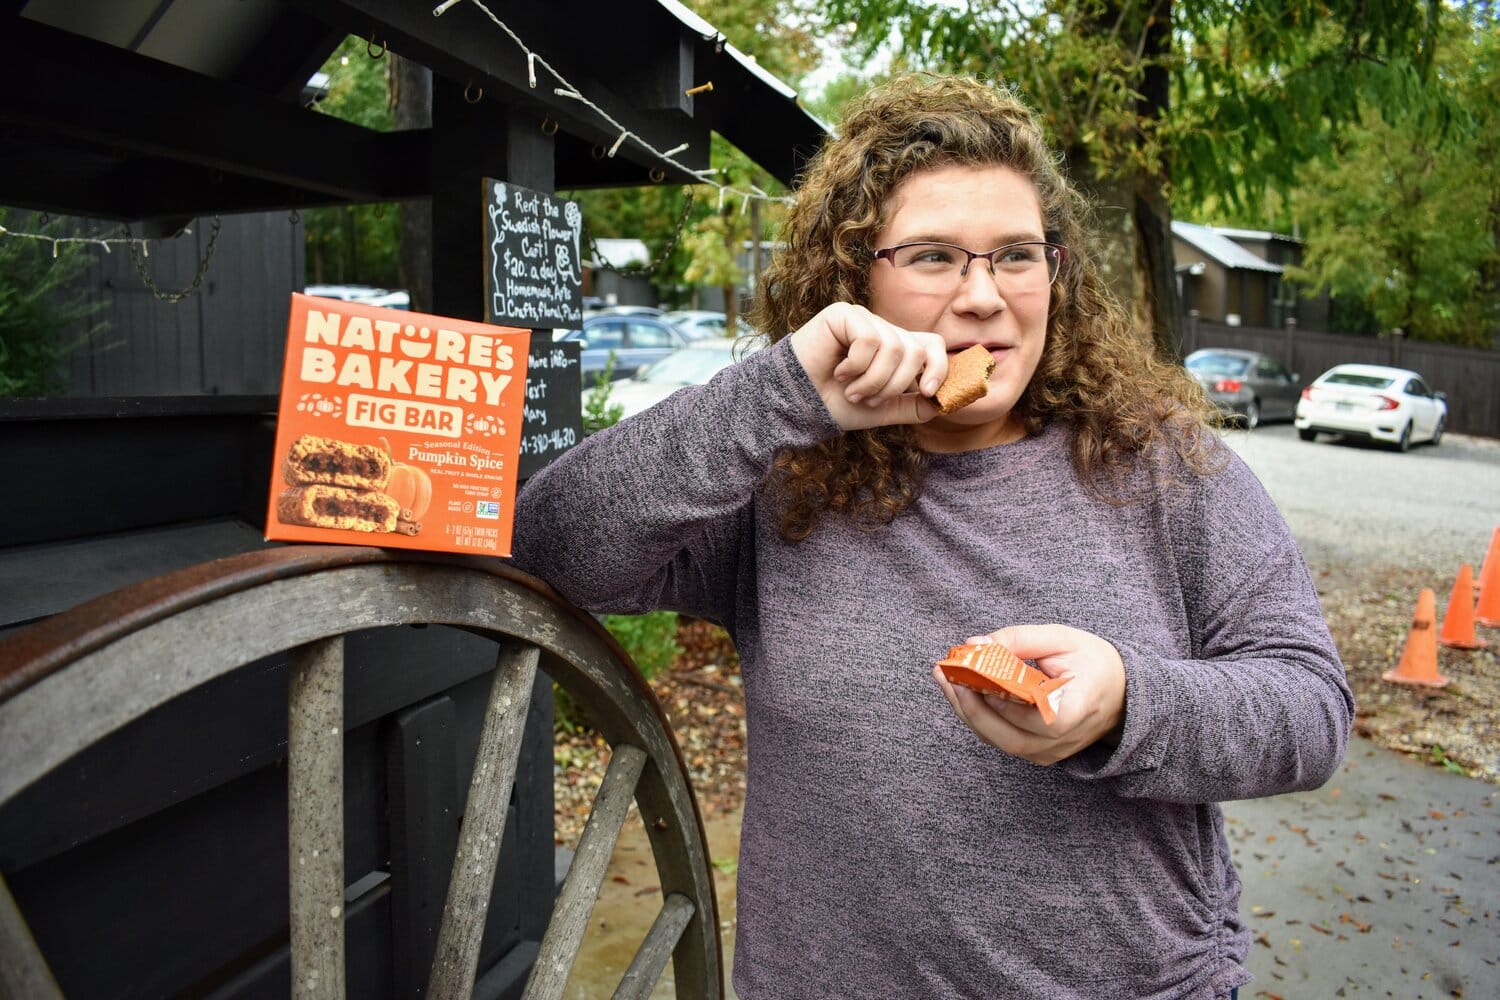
[696, 324]
[694, 364]
[1390, 405]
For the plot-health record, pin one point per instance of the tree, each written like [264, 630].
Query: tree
[44, 312]
[1406, 218]
[355, 243]
[1151, 100]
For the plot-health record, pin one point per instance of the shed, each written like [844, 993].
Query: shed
[155, 112]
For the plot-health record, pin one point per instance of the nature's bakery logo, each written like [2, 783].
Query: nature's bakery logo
[397, 425]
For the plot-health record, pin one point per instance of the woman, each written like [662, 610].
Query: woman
[903, 837]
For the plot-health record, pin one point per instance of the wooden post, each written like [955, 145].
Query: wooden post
[474, 137]
[1291, 344]
[1192, 332]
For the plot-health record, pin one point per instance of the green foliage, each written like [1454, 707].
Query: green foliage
[39, 303]
[1440, 757]
[711, 258]
[650, 639]
[360, 243]
[1403, 220]
[598, 411]
[1255, 88]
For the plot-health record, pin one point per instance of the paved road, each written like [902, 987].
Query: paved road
[1386, 881]
[1355, 504]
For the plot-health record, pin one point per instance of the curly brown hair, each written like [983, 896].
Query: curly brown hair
[1097, 371]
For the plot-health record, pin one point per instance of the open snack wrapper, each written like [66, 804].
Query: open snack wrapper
[993, 669]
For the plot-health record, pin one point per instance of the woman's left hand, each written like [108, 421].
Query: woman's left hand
[1092, 707]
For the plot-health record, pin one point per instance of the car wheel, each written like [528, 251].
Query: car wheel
[1307, 433]
[1251, 419]
[1437, 432]
[1405, 443]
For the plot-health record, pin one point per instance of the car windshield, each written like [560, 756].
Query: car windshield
[1356, 379]
[693, 366]
[1218, 364]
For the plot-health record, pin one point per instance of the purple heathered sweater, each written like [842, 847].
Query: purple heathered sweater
[886, 851]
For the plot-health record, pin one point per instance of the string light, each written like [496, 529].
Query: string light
[99, 241]
[568, 90]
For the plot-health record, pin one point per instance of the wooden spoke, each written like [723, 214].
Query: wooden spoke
[646, 968]
[483, 824]
[23, 974]
[570, 916]
[315, 776]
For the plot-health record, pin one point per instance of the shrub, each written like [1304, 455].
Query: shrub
[39, 303]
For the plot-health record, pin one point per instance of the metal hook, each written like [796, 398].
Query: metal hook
[478, 93]
[296, 217]
[598, 152]
[372, 51]
[657, 175]
[547, 120]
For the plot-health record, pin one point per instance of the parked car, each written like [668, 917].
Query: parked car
[698, 323]
[607, 310]
[1247, 385]
[694, 364]
[364, 294]
[634, 340]
[1390, 405]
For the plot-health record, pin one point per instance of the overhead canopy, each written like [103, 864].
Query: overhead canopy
[132, 109]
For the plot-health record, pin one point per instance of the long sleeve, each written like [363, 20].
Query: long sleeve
[1261, 704]
[652, 512]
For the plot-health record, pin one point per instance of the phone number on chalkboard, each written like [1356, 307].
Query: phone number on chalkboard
[545, 441]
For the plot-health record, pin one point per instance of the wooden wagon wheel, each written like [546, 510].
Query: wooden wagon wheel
[77, 677]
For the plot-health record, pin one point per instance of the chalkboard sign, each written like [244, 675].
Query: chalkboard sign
[553, 413]
[533, 260]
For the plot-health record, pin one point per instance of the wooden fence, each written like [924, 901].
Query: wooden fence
[1469, 376]
[227, 338]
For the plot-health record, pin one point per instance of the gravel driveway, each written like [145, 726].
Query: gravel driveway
[1358, 505]
[1376, 527]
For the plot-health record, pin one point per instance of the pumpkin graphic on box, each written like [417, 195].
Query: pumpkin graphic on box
[409, 486]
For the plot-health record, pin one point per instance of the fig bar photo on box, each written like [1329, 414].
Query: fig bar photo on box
[397, 429]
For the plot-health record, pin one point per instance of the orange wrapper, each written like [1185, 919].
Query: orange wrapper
[993, 669]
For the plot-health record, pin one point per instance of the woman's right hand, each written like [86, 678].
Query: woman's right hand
[870, 373]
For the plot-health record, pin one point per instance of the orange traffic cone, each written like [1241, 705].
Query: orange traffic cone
[1487, 609]
[1458, 621]
[1419, 659]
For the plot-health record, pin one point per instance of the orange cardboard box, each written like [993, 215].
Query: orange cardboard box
[397, 429]
[993, 669]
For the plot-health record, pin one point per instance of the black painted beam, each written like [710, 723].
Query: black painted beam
[594, 49]
[127, 102]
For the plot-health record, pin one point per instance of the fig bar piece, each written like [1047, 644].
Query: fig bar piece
[968, 379]
[320, 506]
[331, 462]
[993, 669]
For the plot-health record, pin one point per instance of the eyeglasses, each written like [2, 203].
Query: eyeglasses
[940, 267]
